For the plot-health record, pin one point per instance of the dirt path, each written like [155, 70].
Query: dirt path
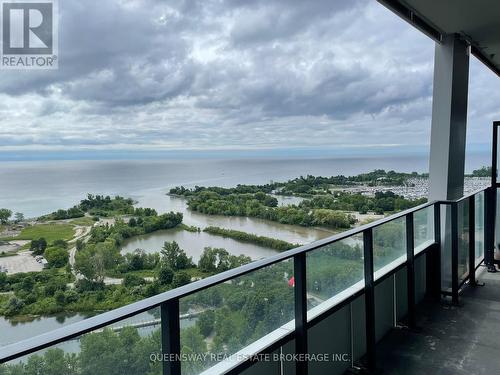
[80, 232]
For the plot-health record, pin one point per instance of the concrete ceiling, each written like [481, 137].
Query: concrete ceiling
[478, 21]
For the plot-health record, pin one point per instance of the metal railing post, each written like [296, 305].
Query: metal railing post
[454, 252]
[300, 295]
[489, 228]
[472, 240]
[433, 258]
[369, 299]
[490, 201]
[170, 337]
[410, 270]
[494, 154]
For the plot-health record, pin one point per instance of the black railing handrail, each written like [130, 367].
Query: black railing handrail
[467, 196]
[39, 342]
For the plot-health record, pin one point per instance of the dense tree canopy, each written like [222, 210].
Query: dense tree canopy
[5, 214]
[174, 257]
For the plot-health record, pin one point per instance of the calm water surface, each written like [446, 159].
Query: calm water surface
[14, 331]
[39, 187]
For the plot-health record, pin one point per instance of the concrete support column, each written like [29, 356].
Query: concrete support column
[447, 157]
[449, 119]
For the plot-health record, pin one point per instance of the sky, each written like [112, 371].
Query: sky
[233, 75]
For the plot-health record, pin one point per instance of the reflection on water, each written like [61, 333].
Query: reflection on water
[194, 243]
[21, 329]
[291, 233]
[13, 331]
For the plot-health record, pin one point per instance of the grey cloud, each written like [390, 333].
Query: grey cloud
[227, 73]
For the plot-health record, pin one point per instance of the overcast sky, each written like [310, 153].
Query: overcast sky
[162, 75]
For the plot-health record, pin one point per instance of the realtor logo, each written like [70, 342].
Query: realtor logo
[29, 34]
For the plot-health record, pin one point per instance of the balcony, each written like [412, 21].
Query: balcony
[451, 339]
[384, 309]
[402, 294]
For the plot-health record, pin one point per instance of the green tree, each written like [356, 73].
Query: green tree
[112, 353]
[482, 172]
[54, 285]
[137, 260]
[18, 217]
[27, 283]
[181, 278]
[151, 289]
[89, 265]
[80, 244]
[53, 362]
[208, 260]
[60, 243]
[5, 214]
[38, 246]
[192, 344]
[131, 280]
[206, 322]
[95, 259]
[56, 257]
[219, 260]
[165, 274]
[175, 257]
[60, 297]
[14, 306]
[3, 281]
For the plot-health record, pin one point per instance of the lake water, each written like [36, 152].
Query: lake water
[195, 242]
[39, 187]
[36, 188]
[15, 331]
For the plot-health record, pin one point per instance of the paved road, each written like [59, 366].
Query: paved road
[80, 232]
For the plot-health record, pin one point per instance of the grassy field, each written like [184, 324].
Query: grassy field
[84, 221]
[50, 232]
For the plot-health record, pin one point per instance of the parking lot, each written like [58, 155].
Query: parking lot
[23, 262]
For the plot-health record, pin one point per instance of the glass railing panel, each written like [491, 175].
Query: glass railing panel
[479, 227]
[463, 239]
[129, 347]
[446, 279]
[334, 269]
[389, 246]
[423, 228]
[496, 226]
[228, 317]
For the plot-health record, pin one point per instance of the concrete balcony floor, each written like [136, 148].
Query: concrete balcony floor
[449, 339]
